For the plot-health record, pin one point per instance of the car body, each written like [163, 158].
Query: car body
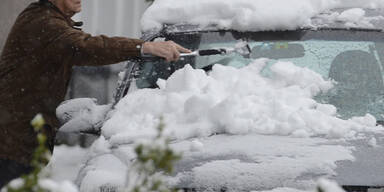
[354, 57]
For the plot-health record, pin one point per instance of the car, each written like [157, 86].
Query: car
[340, 67]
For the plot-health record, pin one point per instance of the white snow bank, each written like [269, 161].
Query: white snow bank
[329, 186]
[352, 15]
[357, 18]
[240, 163]
[251, 162]
[324, 184]
[65, 163]
[244, 15]
[107, 172]
[46, 184]
[61, 170]
[233, 101]
[247, 117]
[53, 186]
[283, 189]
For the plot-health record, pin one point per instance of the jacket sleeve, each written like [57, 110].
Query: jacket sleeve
[93, 50]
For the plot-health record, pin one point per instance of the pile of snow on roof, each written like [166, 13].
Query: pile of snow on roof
[246, 15]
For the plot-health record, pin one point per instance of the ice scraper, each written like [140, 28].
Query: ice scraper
[241, 48]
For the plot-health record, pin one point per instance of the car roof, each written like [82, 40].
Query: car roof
[374, 16]
[321, 21]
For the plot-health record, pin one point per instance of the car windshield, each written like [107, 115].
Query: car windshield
[353, 59]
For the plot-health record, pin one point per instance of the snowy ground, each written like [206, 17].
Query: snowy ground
[66, 162]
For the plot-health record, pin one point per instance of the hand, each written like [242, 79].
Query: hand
[168, 50]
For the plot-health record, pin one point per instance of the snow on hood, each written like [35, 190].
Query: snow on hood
[245, 15]
[234, 127]
[233, 101]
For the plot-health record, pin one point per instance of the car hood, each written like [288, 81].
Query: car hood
[233, 135]
[253, 162]
[259, 162]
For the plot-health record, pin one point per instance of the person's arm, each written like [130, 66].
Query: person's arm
[85, 49]
[103, 50]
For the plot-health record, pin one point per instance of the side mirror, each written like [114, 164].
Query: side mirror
[82, 115]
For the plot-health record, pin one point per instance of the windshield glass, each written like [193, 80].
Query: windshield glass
[353, 59]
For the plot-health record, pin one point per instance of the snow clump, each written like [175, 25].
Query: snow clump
[323, 184]
[81, 114]
[357, 18]
[233, 101]
[245, 15]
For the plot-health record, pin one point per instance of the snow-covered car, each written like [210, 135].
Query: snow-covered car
[306, 103]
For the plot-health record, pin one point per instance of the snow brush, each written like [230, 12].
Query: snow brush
[242, 48]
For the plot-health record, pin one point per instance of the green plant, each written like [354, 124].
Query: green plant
[41, 156]
[154, 160]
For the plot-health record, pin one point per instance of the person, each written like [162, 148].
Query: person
[35, 68]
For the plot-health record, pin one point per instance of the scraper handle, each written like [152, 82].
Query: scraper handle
[212, 52]
[205, 52]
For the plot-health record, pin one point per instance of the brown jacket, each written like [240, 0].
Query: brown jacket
[35, 68]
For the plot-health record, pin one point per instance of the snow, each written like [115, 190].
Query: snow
[46, 184]
[196, 145]
[53, 186]
[283, 189]
[352, 15]
[233, 101]
[61, 172]
[357, 17]
[110, 172]
[323, 184]
[373, 142]
[82, 114]
[329, 186]
[234, 127]
[16, 183]
[243, 163]
[240, 163]
[245, 15]
[66, 162]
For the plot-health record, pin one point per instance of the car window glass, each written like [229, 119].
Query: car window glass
[356, 66]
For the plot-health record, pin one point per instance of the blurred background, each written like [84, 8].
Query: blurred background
[108, 17]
